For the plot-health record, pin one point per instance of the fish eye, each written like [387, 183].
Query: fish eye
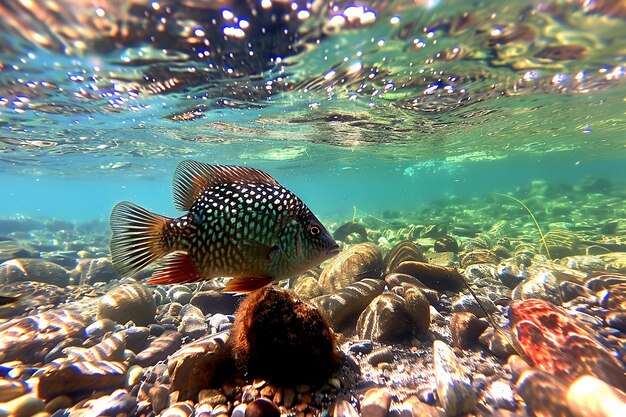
[314, 229]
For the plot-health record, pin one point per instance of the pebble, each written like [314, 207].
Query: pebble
[543, 393]
[380, 355]
[110, 349]
[465, 329]
[179, 294]
[11, 250]
[213, 397]
[136, 338]
[500, 395]
[179, 409]
[467, 303]
[455, 391]
[402, 251]
[348, 302]
[212, 302]
[478, 256]
[192, 323]
[419, 409]
[262, 407]
[128, 302]
[100, 328]
[75, 377]
[159, 397]
[544, 287]
[343, 408]
[96, 270]
[29, 269]
[118, 403]
[446, 244]
[359, 346]
[418, 309]
[239, 410]
[362, 260]
[385, 319]
[58, 403]
[10, 389]
[23, 406]
[376, 403]
[218, 320]
[307, 287]
[592, 397]
[160, 348]
[437, 277]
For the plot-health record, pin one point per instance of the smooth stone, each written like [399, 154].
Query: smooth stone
[500, 395]
[420, 409]
[376, 403]
[180, 294]
[307, 287]
[349, 302]
[198, 365]
[136, 338]
[543, 287]
[99, 328]
[128, 302]
[362, 260]
[592, 397]
[23, 406]
[110, 349]
[543, 394]
[91, 271]
[11, 389]
[11, 250]
[437, 277]
[465, 328]
[218, 320]
[456, 394]
[418, 308]
[262, 407]
[159, 397]
[402, 251]
[343, 408]
[380, 355]
[498, 342]
[38, 270]
[212, 302]
[58, 403]
[213, 397]
[478, 256]
[467, 303]
[192, 323]
[446, 244]
[446, 259]
[133, 376]
[617, 320]
[358, 346]
[179, 409]
[239, 410]
[159, 348]
[118, 403]
[29, 338]
[385, 319]
[74, 377]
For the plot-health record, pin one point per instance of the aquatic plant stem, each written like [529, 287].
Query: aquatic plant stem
[532, 216]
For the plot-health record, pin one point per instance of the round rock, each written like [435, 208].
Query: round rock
[128, 302]
[351, 265]
[38, 270]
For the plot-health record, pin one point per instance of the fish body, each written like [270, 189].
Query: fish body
[240, 223]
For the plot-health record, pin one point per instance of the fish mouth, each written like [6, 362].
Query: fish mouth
[333, 250]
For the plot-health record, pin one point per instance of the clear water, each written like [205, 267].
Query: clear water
[379, 105]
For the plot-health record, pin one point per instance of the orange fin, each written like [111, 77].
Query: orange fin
[242, 285]
[191, 178]
[178, 268]
[136, 240]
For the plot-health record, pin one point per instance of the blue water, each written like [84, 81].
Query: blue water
[398, 105]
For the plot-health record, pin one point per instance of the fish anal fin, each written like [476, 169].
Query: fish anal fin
[191, 178]
[243, 285]
[177, 268]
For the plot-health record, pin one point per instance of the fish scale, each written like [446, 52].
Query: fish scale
[240, 223]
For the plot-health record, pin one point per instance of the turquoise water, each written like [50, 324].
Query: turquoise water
[377, 105]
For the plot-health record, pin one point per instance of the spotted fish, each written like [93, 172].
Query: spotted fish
[240, 223]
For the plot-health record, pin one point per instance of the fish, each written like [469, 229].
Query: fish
[240, 223]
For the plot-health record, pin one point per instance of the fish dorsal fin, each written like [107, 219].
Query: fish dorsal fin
[192, 178]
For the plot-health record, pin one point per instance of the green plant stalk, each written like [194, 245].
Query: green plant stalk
[532, 216]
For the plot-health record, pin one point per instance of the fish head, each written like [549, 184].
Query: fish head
[305, 243]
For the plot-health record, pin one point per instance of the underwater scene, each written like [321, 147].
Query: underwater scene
[265, 208]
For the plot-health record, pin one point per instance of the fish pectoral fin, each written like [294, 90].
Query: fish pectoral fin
[242, 285]
[251, 249]
[177, 268]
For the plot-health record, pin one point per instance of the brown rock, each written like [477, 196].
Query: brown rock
[160, 348]
[10, 389]
[351, 265]
[385, 319]
[544, 394]
[128, 302]
[96, 270]
[343, 408]
[403, 251]
[211, 302]
[76, 377]
[592, 397]
[418, 308]
[262, 407]
[466, 328]
[456, 394]
[376, 403]
[305, 338]
[348, 302]
[479, 256]
[436, 277]
[28, 269]
[307, 287]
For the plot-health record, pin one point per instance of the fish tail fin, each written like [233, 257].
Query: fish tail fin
[137, 237]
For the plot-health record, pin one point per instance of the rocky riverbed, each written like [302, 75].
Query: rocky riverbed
[388, 327]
